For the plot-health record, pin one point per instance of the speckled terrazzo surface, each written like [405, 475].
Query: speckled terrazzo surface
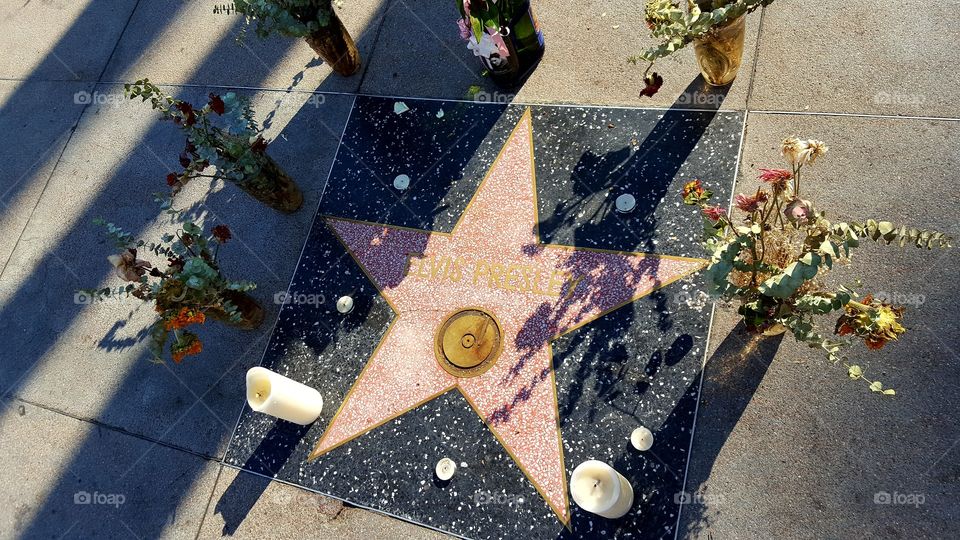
[613, 370]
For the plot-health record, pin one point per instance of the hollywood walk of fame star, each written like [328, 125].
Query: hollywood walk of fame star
[513, 294]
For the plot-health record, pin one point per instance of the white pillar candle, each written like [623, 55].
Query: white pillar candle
[641, 439]
[401, 182]
[626, 203]
[598, 488]
[445, 468]
[276, 395]
[345, 304]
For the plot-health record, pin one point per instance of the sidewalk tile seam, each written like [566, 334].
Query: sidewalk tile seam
[113, 428]
[206, 510]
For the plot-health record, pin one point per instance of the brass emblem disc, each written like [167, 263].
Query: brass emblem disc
[468, 342]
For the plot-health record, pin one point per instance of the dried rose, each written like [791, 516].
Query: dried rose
[714, 213]
[817, 149]
[187, 110]
[750, 203]
[128, 266]
[799, 152]
[259, 146]
[216, 104]
[799, 211]
[653, 81]
[222, 233]
[777, 178]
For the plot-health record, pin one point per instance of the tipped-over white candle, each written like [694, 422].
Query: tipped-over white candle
[598, 488]
[445, 469]
[276, 395]
[641, 439]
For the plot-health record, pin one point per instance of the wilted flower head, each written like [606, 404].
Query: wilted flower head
[653, 82]
[817, 149]
[128, 266]
[216, 104]
[750, 203]
[694, 192]
[875, 322]
[222, 233]
[464, 27]
[258, 144]
[189, 117]
[184, 318]
[777, 178]
[714, 213]
[187, 344]
[799, 211]
[802, 152]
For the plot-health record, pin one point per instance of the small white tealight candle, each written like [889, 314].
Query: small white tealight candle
[276, 395]
[401, 182]
[598, 488]
[626, 203]
[641, 439]
[445, 469]
[345, 304]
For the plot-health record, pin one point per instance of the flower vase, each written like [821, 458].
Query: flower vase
[251, 312]
[524, 43]
[720, 52]
[335, 45]
[774, 330]
[274, 188]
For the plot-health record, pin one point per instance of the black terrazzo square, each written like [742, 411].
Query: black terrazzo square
[637, 365]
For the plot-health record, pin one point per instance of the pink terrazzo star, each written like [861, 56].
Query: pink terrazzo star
[493, 260]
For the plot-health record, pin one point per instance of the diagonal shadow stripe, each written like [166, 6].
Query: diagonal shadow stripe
[39, 332]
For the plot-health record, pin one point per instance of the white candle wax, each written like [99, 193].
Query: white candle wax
[445, 469]
[345, 304]
[641, 439]
[626, 203]
[401, 182]
[276, 395]
[598, 488]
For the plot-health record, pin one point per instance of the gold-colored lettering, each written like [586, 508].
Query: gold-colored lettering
[572, 286]
[555, 285]
[479, 270]
[436, 265]
[496, 276]
[408, 267]
[455, 269]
